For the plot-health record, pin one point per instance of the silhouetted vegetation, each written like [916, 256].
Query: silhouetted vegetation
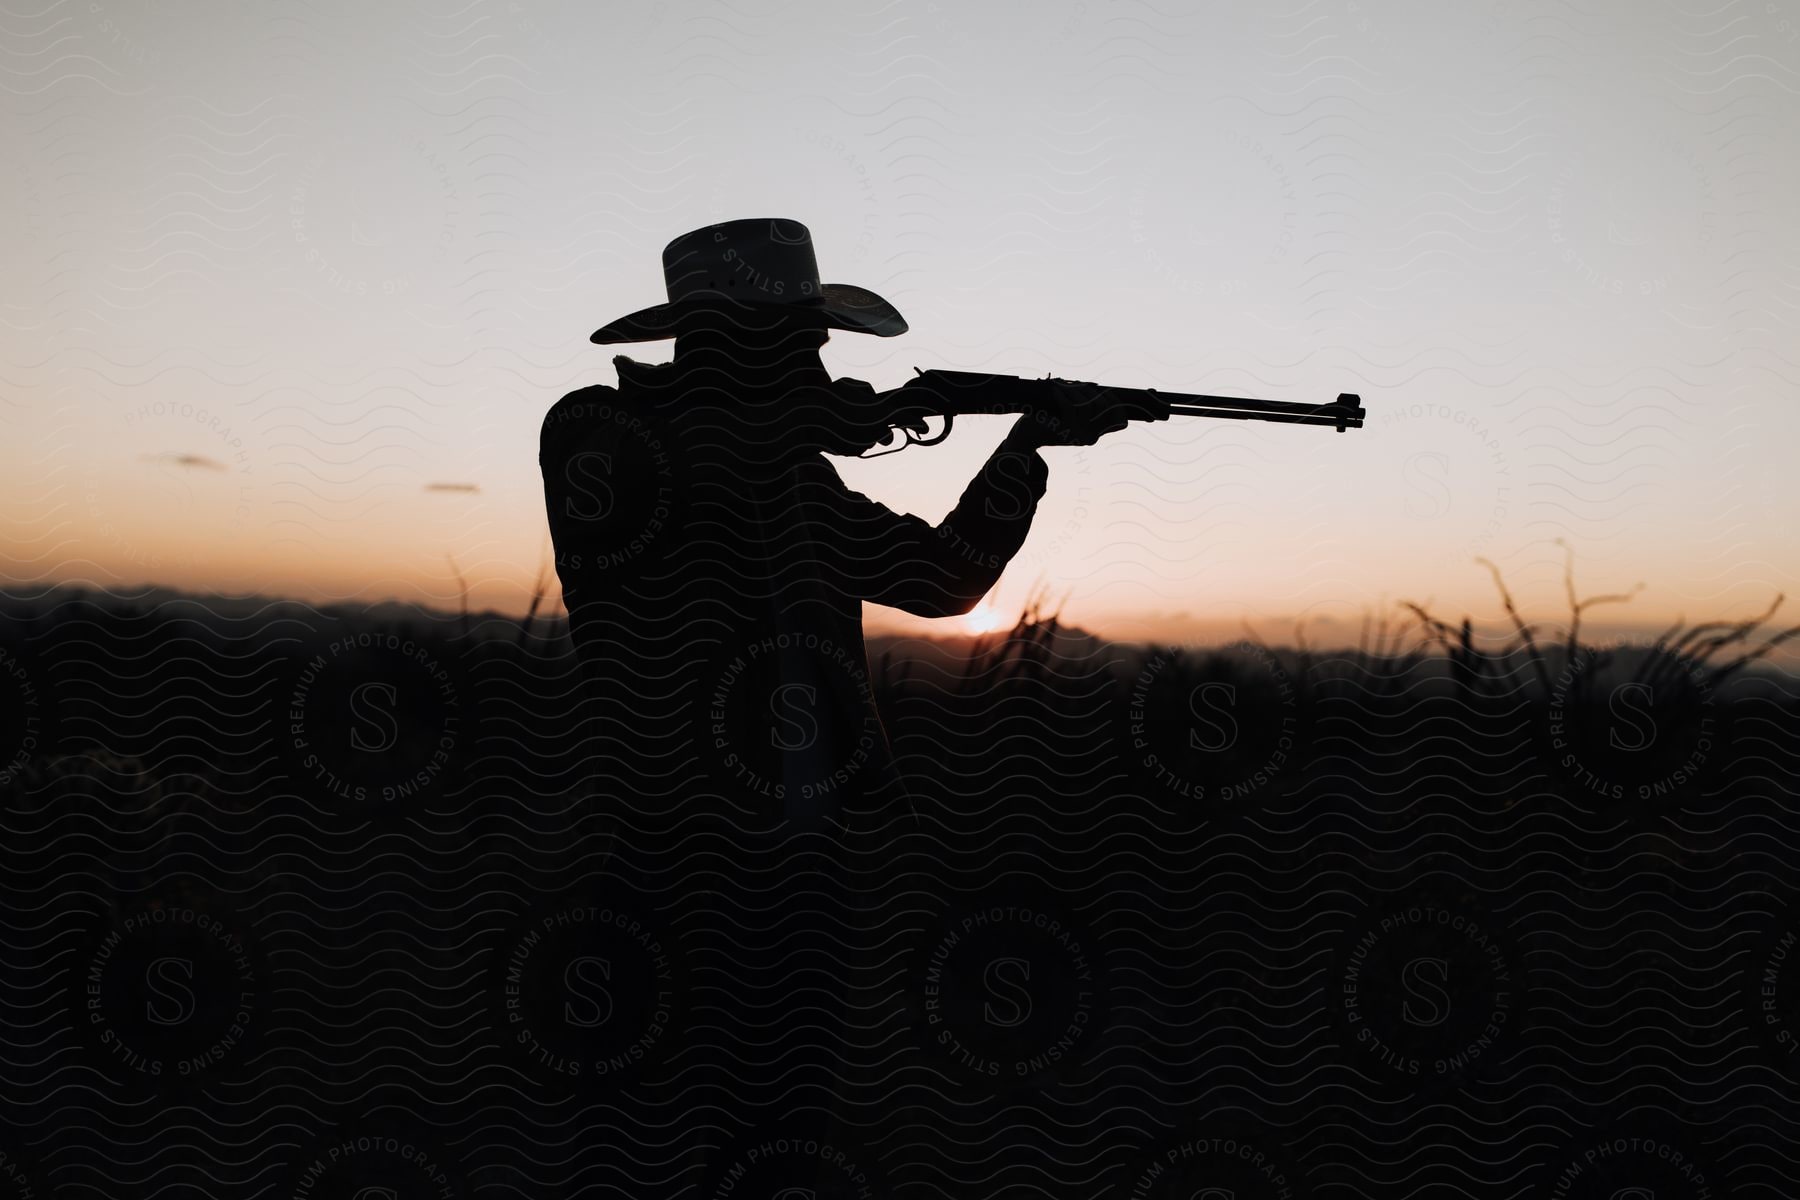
[206, 755]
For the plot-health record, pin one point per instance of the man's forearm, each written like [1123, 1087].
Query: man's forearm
[993, 517]
[1025, 437]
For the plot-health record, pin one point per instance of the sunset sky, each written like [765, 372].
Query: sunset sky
[285, 291]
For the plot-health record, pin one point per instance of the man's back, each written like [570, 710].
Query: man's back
[715, 576]
[715, 601]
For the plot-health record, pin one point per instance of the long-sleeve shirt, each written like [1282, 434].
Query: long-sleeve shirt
[714, 585]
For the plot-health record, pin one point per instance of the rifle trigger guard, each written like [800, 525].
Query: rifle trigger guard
[940, 435]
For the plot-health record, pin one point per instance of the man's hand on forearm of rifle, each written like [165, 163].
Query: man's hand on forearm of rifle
[1075, 414]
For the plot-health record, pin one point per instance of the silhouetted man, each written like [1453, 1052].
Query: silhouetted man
[714, 564]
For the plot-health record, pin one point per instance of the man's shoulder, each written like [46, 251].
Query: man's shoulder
[584, 399]
[582, 408]
[584, 417]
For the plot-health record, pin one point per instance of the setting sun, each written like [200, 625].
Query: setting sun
[981, 619]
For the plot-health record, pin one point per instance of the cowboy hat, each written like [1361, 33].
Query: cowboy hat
[761, 263]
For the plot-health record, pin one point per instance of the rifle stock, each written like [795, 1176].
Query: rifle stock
[952, 394]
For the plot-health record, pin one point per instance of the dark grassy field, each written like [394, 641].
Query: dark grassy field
[304, 902]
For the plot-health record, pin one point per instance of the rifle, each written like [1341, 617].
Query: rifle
[952, 394]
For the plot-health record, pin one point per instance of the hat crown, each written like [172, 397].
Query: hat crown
[763, 259]
[741, 267]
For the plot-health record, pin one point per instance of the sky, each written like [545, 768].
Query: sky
[286, 289]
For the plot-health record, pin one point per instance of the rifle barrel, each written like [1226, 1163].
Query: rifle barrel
[1340, 414]
[970, 392]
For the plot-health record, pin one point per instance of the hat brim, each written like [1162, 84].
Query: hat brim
[838, 306]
